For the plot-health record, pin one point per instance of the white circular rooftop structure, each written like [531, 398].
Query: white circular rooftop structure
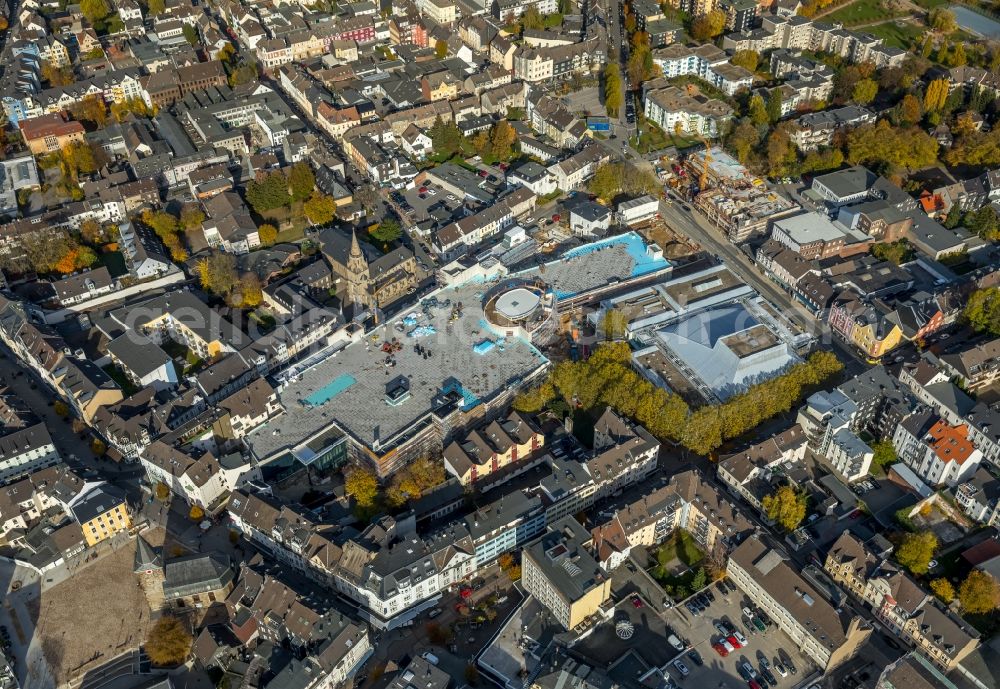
[517, 303]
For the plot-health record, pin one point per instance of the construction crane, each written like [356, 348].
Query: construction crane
[703, 178]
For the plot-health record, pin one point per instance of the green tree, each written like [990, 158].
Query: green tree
[774, 105]
[471, 671]
[743, 140]
[979, 593]
[168, 642]
[916, 551]
[320, 208]
[190, 34]
[897, 252]
[387, 231]
[885, 454]
[361, 484]
[156, 7]
[942, 19]
[532, 18]
[301, 181]
[614, 95]
[441, 49]
[217, 273]
[268, 192]
[747, 59]
[984, 222]
[56, 76]
[60, 408]
[894, 148]
[954, 218]
[865, 91]
[943, 589]
[94, 10]
[982, 311]
[614, 324]
[786, 507]
[502, 139]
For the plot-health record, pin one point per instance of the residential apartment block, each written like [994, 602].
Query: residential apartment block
[899, 602]
[828, 636]
[561, 573]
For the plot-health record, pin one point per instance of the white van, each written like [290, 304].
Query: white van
[429, 657]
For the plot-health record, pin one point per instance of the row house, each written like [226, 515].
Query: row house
[491, 448]
[81, 383]
[866, 325]
[751, 473]
[899, 602]
[573, 171]
[332, 647]
[976, 367]
[205, 480]
[360, 29]
[393, 574]
[26, 450]
[491, 221]
[557, 62]
[687, 502]
[826, 635]
[28, 500]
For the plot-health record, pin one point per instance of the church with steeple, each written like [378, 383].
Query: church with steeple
[363, 277]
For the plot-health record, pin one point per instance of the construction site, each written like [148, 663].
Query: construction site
[732, 198]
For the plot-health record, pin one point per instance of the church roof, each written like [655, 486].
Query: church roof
[146, 557]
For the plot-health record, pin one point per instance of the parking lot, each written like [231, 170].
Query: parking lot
[700, 632]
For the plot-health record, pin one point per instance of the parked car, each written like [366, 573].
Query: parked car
[739, 637]
[720, 649]
[675, 642]
[722, 628]
[736, 643]
[768, 677]
[434, 613]
[779, 667]
[759, 624]
[695, 657]
[762, 659]
[746, 671]
[681, 668]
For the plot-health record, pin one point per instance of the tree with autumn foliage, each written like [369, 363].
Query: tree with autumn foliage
[320, 208]
[267, 234]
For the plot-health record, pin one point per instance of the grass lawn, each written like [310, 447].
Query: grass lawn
[679, 547]
[114, 262]
[652, 138]
[128, 387]
[292, 234]
[904, 36]
[931, 4]
[860, 12]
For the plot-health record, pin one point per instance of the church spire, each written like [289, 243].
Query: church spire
[355, 246]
